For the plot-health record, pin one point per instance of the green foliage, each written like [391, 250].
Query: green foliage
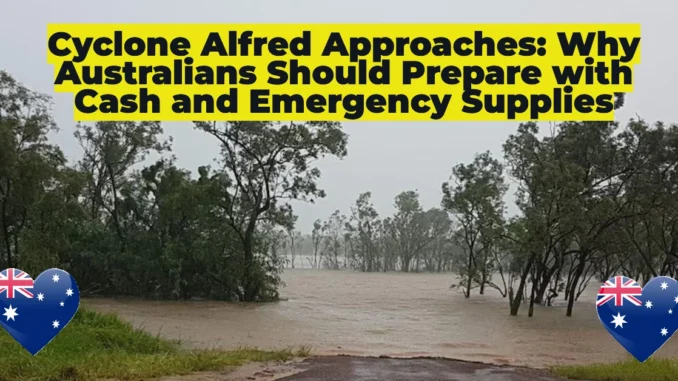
[411, 240]
[476, 201]
[263, 165]
[122, 227]
[408, 229]
[333, 236]
[364, 228]
[28, 163]
[596, 200]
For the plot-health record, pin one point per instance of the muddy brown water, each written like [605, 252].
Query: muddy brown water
[392, 314]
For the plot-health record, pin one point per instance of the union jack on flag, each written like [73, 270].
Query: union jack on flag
[619, 288]
[14, 280]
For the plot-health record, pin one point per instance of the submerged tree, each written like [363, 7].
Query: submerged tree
[294, 242]
[408, 229]
[268, 164]
[364, 227]
[476, 202]
[333, 233]
[317, 238]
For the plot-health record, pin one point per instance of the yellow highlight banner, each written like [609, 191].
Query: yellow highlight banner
[343, 72]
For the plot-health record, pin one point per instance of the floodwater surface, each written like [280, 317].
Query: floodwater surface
[392, 314]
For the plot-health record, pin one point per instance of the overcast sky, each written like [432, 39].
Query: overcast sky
[385, 158]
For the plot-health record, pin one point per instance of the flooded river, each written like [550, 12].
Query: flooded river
[342, 312]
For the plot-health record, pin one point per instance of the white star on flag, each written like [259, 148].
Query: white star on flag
[55, 324]
[664, 332]
[41, 296]
[648, 304]
[55, 278]
[664, 286]
[10, 313]
[69, 292]
[618, 320]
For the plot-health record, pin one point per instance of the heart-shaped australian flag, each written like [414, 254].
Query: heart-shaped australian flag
[34, 312]
[640, 319]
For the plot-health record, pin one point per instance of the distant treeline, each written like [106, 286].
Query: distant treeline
[412, 240]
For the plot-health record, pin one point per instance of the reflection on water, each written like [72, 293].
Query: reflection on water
[385, 314]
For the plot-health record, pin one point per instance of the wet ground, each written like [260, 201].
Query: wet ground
[344, 368]
[381, 369]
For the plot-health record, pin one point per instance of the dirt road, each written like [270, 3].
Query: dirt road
[379, 369]
[343, 368]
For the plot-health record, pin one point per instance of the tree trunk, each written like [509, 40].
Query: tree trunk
[482, 283]
[515, 304]
[543, 286]
[530, 312]
[406, 264]
[6, 237]
[570, 277]
[8, 246]
[469, 274]
[251, 285]
[573, 287]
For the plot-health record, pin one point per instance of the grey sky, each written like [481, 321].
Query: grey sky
[385, 158]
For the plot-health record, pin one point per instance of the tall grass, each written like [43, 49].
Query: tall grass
[97, 346]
